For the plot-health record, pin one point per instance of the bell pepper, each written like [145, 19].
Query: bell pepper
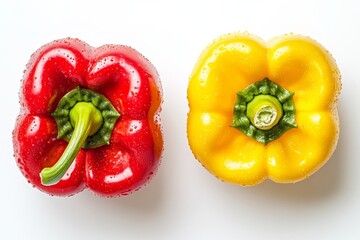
[89, 119]
[263, 110]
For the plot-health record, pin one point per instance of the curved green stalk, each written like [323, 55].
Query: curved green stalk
[87, 120]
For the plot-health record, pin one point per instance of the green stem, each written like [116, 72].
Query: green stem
[264, 111]
[87, 120]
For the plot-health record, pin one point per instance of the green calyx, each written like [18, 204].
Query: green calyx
[264, 111]
[85, 119]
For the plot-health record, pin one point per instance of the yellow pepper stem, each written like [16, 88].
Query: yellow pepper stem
[264, 111]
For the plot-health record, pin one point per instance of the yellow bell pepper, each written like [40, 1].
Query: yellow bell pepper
[263, 110]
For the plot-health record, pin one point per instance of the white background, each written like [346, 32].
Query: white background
[183, 201]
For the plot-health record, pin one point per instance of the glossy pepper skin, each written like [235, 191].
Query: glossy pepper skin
[232, 63]
[127, 80]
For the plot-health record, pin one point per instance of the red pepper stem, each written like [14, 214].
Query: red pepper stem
[86, 120]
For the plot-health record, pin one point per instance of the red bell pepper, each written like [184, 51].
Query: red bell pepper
[89, 118]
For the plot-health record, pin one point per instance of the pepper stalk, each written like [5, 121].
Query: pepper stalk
[264, 111]
[86, 120]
